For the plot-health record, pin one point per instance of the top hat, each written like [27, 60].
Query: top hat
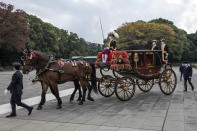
[16, 64]
[111, 34]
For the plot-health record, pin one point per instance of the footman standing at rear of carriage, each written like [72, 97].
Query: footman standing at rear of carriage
[188, 76]
[15, 88]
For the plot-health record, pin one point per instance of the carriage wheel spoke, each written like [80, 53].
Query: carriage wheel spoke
[105, 91]
[131, 92]
[127, 94]
[120, 91]
[124, 94]
[110, 89]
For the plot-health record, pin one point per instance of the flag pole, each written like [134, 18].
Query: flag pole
[101, 29]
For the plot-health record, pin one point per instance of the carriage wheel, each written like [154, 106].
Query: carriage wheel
[168, 81]
[125, 88]
[106, 86]
[145, 86]
[104, 70]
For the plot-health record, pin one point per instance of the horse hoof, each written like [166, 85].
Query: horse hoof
[39, 108]
[79, 99]
[80, 103]
[71, 99]
[59, 107]
[90, 99]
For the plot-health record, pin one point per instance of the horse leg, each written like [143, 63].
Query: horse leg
[43, 95]
[89, 91]
[73, 94]
[84, 92]
[77, 87]
[55, 92]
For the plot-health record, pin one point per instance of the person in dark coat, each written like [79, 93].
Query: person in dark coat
[15, 87]
[181, 69]
[188, 76]
[112, 43]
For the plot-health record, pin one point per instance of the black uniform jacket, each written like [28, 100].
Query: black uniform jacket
[113, 44]
[188, 72]
[182, 68]
[16, 85]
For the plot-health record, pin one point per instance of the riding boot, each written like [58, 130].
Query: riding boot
[191, 84]
[13, 114]
[26, 107]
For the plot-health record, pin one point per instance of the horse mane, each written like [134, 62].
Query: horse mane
[41, 53]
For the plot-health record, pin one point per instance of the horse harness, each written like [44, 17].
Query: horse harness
[60, 64]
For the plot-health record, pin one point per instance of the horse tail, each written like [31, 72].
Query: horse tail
[93, 79]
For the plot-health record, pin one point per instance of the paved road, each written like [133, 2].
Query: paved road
[145, 111]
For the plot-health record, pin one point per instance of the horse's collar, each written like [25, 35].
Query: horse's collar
[41, 70]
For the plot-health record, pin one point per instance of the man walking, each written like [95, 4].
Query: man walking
[181, 69]
[188, 76]
[15, 88]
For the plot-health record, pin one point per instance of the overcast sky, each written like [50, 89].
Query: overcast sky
[82, 16]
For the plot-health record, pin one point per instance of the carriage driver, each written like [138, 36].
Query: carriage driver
[112, 43]
[111, 46]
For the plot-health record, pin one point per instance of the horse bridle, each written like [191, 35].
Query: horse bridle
[41, 69]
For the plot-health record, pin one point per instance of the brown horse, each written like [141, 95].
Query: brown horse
[49, 74]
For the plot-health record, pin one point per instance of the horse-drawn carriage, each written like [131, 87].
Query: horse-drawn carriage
[142, 68]
[131, 68]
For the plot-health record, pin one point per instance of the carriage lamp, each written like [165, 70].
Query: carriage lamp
[136, 58]
[120, 59]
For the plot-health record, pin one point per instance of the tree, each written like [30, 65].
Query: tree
[14, 28]
[137, 35]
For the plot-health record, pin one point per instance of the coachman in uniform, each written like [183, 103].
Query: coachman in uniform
[15, 88]
[154, 45]
[111, 46]
[112, 43]
[164, 50]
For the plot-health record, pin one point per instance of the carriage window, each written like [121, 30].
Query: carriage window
[141, 63]
[149, 59]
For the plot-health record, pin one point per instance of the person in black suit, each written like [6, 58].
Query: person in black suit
[112, 43]
[181, 70]
[15, 87]
[188, 76]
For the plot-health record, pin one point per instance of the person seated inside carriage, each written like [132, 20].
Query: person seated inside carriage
[111, 46]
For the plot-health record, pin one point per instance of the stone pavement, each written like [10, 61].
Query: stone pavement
[152, 111]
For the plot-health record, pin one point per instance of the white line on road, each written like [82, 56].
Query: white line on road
[6, 108]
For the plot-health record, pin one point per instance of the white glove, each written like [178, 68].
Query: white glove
[5, 92]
